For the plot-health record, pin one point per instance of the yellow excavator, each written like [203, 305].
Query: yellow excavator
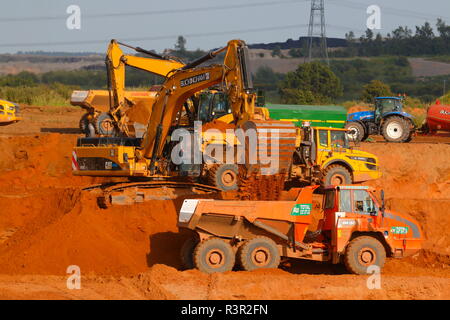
[116, 111]
[152, 156]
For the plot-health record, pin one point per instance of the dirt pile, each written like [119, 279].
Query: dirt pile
[416, 179]
[38, 161]
[74, 231]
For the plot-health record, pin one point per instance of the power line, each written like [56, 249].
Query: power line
[165, 37]
[192, 35]
[156, 12]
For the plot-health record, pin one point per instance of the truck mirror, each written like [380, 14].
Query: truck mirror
[382, 203]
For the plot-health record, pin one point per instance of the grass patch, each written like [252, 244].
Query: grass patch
[445, 59]
[40, 95]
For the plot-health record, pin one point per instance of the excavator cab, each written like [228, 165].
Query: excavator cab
[212, 105]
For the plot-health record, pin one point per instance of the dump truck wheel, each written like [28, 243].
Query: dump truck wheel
[363, 252]
[187, 253]
[258, 253]
[224, 176]
[336, 175]
[214, 255]
[104, 125]
[84, 124]
[359, 134]
[395, 129]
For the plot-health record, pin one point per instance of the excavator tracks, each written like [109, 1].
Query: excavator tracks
[128, 193]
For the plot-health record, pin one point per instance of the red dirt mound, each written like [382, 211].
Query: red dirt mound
[39, 161]
[122, 240]
[118, 241]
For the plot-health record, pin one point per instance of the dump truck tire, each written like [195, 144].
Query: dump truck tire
[104, 125]
[214, 255]
[187, 253]
[395, 129]
[360, 132]
[363, 252]
[224, 176]
[336, 174]
[258, 253]
[84, 124]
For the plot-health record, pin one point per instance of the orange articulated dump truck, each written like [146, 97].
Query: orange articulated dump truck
[354, 228]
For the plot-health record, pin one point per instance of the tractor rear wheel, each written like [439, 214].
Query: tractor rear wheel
[187, 252]
[336, 175]
[258, 253]
[363, 252]
[214, 255]
[359, 131]
[223, 176]
[396, 129]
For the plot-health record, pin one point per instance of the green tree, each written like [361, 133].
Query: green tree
[180, 45]
[276, 52]
[375, 88]
[295, 53]
[312, 82]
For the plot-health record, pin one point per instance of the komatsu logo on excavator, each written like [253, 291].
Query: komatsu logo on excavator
[195, 79]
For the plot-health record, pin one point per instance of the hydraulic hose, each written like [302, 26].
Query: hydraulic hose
[210, 55]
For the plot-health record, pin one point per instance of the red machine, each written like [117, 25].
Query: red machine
[438, 118]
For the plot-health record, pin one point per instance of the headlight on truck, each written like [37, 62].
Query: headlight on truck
[371, 160]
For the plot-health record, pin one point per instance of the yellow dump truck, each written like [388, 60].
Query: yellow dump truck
[9, 113]
[323, 155]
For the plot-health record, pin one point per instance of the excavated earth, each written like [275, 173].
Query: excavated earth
[47, 223]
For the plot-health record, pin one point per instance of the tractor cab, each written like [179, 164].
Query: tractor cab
[385, 105]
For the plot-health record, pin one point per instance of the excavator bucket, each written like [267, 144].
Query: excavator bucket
[269, 147]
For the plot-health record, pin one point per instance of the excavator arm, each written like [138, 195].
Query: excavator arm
[233, 74]
[116, 61]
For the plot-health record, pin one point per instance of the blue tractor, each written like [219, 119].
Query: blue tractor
[387, 119]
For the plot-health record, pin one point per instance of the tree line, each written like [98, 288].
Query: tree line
[402, 41]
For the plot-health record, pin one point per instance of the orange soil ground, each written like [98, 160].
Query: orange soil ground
[131, 252]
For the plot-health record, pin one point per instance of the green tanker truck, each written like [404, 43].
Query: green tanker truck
[317, 116]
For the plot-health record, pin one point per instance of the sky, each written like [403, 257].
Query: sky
[31, 25]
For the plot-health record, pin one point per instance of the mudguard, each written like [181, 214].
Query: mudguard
[361, 116]
[396, 113]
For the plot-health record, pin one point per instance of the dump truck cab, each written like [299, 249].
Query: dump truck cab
[9, 113]
[359, 211]
[324, 155]
[354, 228]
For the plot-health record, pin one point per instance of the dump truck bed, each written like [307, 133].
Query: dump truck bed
[225, 218]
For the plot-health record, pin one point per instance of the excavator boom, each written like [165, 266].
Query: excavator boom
[184, 83]
[116, 62]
